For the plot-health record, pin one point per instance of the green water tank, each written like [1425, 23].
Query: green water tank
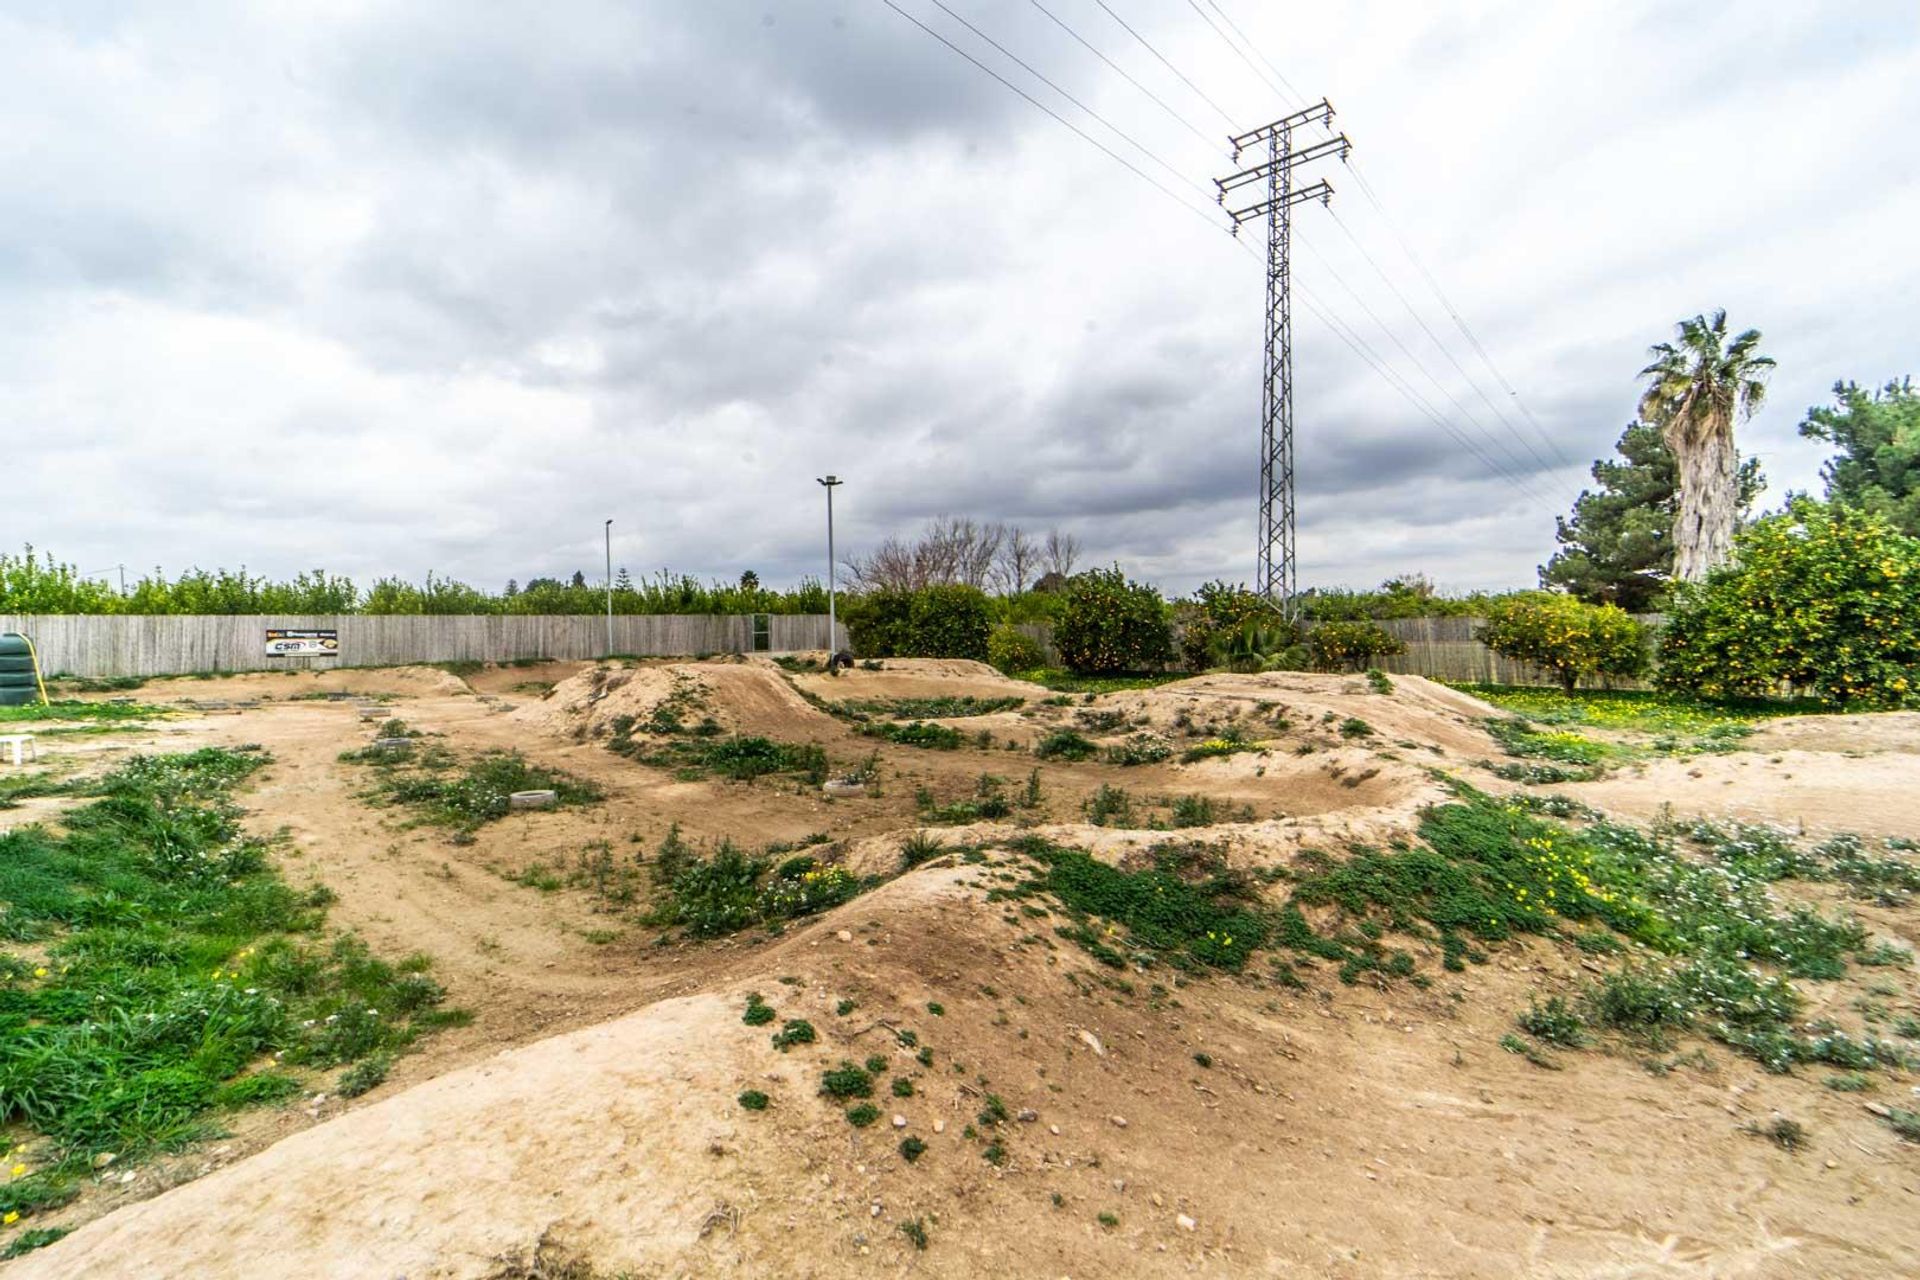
[19, 683]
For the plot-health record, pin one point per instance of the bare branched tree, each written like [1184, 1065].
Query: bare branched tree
[1062, 552]
[1018, 564]
[952, 549]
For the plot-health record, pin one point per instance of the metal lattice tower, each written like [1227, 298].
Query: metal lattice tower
[1276, 571]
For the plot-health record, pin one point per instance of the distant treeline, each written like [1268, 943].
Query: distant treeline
[31, 583]
[36, 583]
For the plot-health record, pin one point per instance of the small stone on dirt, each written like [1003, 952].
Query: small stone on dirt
[1092, 1042]
[1028, 1116]
[845, 935]
[1119, 1122]
[1184, 1222]
[899, 1122]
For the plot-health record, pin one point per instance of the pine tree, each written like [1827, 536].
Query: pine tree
[1617, 546]
[1878, 466]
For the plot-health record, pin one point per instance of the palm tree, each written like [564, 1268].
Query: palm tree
[1700, 386]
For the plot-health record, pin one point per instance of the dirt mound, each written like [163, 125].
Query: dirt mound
[1810, 791]
[918, 678]
[408, 682]
[739, 697]
[1416, 714]
[1073, 1124]
[1884, 731]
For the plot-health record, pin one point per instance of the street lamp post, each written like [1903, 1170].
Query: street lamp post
[609, 532]
[830, 482]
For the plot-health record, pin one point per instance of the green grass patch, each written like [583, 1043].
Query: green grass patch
[947, 708]
[728, 889]
[1627, 709]
[916, 733]
[1065, 744]
[176, 960]
[89, 712]
[1063, 681]
[741, 758]
[1188, 904]
[445, 791]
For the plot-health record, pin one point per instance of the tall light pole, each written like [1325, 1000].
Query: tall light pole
[833, 630]
[609, 532]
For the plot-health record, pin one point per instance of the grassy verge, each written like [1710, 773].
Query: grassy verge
[83, 712]
[155, 972]
[1644, 711]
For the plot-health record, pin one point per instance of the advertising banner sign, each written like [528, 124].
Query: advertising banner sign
[283, 642]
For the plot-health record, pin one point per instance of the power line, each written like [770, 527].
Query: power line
[1516, 471]
[1446, 303]
[1318, 305]
[1256, 50]
[1028, 67]
[1366, 189]
[1238, 52]
[1115, 156]
[1197, 132]
[1362, 348]
[1435, 338]
[1168, 65]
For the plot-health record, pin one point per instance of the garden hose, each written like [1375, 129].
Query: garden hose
[39, 680]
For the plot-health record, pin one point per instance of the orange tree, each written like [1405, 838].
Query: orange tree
[1566, 636]
[1349, 646]
[1111, 625]
[1823, 598]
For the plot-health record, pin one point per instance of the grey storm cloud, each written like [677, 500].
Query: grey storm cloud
[398, 287]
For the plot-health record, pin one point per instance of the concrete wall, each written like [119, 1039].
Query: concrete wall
[112, 645]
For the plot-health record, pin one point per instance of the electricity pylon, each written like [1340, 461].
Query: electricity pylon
[1276, 574]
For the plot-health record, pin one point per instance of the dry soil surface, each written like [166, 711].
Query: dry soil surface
[589, 1111]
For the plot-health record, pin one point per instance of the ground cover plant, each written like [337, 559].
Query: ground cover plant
[916, 733]
[444, 790]
[35, 714]
[740, 757]
[945, 708]
[1641, 710]
[1186, 906]
[176, 964]
[714, 893]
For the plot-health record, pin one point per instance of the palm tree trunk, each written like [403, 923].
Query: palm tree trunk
[1708, 466]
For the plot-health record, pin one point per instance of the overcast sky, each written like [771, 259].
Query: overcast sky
[387, 288]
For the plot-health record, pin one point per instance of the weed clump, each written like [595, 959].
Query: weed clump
[758, 1013]
[847, 1081]
[917, 733]
[792, 1032]
[753, 1100]
[1065, 744]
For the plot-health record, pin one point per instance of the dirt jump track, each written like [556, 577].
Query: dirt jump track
[586, 1124]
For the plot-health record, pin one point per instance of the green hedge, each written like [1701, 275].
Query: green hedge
[934, 622]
